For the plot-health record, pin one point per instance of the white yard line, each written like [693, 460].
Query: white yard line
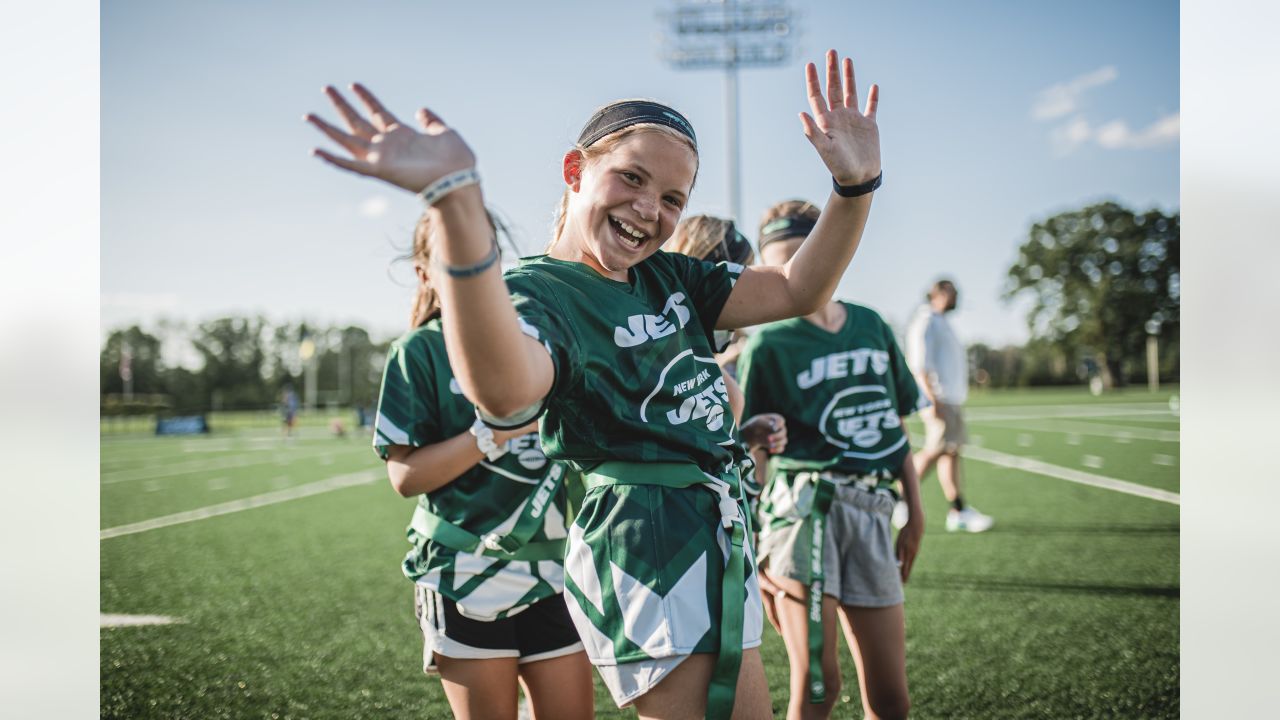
[110, 620]
[982, 454]
[1119, 432]
[184, 468]
[1171, 418]
[1049, 412]
[195, 466]
[320, 486]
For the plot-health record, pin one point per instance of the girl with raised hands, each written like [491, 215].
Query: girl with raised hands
[487, 533]
[826, 547]
[609, 342]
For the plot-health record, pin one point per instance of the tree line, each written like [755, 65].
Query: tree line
[1102, 280]
[241, 364]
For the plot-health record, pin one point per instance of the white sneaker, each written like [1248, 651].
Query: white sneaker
[969, 520]
[900, 514]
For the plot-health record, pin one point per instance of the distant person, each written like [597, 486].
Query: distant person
[938, 359]
[289, 409]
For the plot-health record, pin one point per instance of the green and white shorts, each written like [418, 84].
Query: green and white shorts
[643, 574]
[859, 565]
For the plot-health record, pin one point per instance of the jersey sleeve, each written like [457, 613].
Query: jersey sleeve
[407, 400]
[906, 391]
[709, 286]
[542, 319]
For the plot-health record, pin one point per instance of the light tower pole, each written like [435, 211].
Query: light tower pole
[1153, 354]
[729, 34]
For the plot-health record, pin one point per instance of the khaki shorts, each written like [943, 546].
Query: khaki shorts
[859, 565]
[946, 432]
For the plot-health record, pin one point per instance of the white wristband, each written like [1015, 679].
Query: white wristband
[485, 442]
[432, 193]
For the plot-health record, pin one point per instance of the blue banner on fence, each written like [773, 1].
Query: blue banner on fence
[182, 425]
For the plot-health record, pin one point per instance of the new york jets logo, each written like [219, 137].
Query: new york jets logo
[856, 418]
[693, 389]
[642, 328]
[842, 365]
[527, 450]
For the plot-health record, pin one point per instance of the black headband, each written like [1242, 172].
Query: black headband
[785, 227]
[733, 247]
[626, 113]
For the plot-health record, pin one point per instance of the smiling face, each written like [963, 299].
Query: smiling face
[625, 203]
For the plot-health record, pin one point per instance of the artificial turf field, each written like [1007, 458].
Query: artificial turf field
[280, 562]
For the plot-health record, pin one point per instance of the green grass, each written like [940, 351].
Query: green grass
[1067, 608]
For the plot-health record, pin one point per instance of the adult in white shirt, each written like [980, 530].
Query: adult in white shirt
[940, 363]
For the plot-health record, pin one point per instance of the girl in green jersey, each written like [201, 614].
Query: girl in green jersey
[487, 551]
[609, 342]
[826, 546]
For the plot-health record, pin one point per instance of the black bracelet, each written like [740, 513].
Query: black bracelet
[852, 191]
[466, 271]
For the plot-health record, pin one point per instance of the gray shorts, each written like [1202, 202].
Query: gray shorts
[859, 565]
[945, 431]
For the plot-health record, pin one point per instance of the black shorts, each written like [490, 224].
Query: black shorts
[541, 631]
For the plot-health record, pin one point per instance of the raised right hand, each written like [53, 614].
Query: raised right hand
[382, 147]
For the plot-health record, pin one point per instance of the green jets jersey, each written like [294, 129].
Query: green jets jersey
[842, 393]
[658, 565]
[422, 404]
[635, 376]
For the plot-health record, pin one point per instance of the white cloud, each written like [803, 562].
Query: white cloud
[1115, 135]
[375, 207]
[1070, 136]
[1064, 98]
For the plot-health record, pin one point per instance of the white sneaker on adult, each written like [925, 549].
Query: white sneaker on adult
[968, 520]
[900, 514]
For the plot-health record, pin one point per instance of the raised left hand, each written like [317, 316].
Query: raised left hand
[847, 139]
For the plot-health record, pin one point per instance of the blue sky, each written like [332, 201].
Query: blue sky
[992, 115]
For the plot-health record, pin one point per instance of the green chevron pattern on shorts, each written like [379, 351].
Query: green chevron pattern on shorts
[656, 537]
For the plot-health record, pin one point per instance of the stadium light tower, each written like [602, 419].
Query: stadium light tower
[729, 34]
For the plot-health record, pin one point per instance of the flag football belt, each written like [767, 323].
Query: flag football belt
[724, 679]
[515, 544]
[824, 491]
